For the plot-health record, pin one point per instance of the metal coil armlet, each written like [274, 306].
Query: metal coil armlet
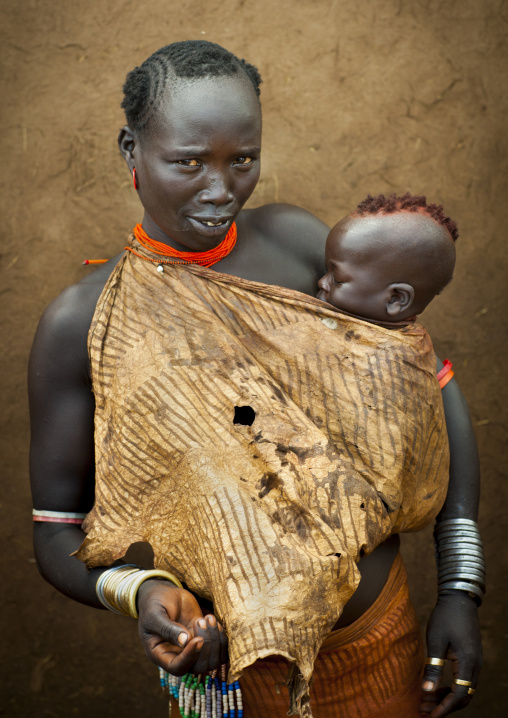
[459, 557]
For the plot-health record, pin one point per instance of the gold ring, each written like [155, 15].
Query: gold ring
[471, 691]
[459, 682]
[435, 662]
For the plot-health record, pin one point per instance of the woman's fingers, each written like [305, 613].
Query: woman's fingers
[465, 674]
[174, 660]
[224, 656]
[444, 701]
[433, 672]
[203, 660]
[452, 634]
[455, 700]
[175, 634]
[434, 663]
[432, 699]
[212, 652]
[219, 654]
[168, 644]
[169, 631]
[213, 632]
[154, 620]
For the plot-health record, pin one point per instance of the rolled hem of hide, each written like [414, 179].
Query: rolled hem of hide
[298, 685]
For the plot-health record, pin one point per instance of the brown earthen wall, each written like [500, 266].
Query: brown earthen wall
[357, 97]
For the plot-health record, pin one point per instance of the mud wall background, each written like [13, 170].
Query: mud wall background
[357, 98]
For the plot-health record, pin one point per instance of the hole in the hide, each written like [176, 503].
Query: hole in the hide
[244, 415]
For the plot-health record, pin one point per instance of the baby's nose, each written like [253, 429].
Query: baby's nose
[323, 283]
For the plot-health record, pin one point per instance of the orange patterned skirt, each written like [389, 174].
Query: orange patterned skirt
[369, 669]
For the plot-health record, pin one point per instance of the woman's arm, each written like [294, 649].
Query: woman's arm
[62, 478]
[453, 630]
[61, 449]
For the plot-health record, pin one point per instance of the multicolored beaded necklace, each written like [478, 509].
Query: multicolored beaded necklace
[207, 698]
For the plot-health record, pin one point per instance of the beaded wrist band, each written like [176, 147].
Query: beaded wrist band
[459, 557]
[117, 588]
[58, 517]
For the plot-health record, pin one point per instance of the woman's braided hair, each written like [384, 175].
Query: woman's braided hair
[145, 85]
[413, 203]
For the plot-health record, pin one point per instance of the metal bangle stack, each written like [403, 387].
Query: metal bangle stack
[117, 588]
[459, 557]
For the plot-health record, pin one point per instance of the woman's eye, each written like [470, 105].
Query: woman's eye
[244, 160]
[189, 163]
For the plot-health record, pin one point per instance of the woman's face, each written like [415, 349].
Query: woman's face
[198, 161]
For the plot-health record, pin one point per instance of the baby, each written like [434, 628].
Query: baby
[389, 258]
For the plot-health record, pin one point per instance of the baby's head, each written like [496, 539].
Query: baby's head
[389, 258]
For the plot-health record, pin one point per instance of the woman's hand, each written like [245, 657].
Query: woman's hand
[174, 633]
[452, 633]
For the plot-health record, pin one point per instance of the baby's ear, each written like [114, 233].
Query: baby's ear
[400, 298]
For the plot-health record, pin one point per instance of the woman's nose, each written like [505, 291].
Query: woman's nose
[217, 191]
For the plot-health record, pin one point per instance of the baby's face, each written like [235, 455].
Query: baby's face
[375, 261]
[356, 279]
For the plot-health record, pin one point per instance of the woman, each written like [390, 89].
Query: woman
[192, 145]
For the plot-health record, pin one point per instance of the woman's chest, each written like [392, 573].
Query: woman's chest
[269, 263]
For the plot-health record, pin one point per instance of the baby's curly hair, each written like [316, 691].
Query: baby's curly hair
[410, 202]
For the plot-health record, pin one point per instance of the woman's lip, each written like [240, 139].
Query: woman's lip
[210, 230]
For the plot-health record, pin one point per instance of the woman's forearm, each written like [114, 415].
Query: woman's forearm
[54, 544]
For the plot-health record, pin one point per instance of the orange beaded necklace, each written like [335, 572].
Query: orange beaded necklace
[211, 256]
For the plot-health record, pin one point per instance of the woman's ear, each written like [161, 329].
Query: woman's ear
[400, 298]
[126, 144]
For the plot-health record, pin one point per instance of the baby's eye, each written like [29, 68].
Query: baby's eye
[189, 163]
[244, 160]
[337, 281]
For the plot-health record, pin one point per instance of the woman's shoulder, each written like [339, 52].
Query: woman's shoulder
[287, 220]
[64, 324]
[294, 230]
